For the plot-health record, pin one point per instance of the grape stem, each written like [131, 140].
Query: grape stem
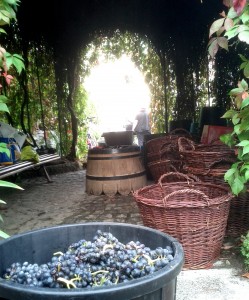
[67, 282]
[58, 253]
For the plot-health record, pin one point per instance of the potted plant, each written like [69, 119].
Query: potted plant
[234, 25]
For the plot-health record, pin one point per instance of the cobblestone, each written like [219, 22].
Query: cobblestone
[64, 201]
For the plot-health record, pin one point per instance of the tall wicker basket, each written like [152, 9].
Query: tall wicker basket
[238, 218]
[193, 212]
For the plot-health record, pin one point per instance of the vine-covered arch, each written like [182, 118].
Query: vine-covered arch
[178, 31]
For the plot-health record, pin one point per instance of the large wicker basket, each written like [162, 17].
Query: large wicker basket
[214, 174]
[158, 168]
[238, 218]
[203, 156]
[193, 212]
[154, 145]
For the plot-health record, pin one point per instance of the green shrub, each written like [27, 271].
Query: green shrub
[245, 250]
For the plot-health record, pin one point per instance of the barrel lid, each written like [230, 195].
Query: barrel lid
[114, 149]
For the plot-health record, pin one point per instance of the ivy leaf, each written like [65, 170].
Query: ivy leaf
[232, 13]
[232, 32]
[220, 31]
[243, 136]
[244, 126]
[243, 143]
[222, 42]
[3, 31]
[243, 65]
[227, 139]
[213, 48]
[18, 63]
[4, 107]
[3, 99]
[238, 100]
[237, 129]
[236, 91]
[228, 24]
[235, 119]
[245, 150]
[229, 174]
[15, 60]
[247, 175]
[242, 28]
[245, 16]
[237, 186]
[243, 57]
[229, 114]
[245, 102]
[246, 70]
[216, 26]
[245, 167]
[244, 113]
[244, 36]
[239, 5]
[244, 84]
[229, 177]
[5, 17]
[239, 154]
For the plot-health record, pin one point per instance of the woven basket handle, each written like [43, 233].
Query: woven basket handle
[174, 173]
[179, 130]
[180, 143]
[222, 160]
[184, 192]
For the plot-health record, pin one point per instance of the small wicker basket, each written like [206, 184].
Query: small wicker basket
[193, 212]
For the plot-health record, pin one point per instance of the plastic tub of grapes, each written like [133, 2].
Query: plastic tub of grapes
[90, 261]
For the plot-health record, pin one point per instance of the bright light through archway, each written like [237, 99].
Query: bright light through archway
[118, 91]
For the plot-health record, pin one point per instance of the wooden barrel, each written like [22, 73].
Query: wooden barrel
[114, 170]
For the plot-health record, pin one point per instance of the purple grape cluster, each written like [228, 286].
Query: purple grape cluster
[102, 262]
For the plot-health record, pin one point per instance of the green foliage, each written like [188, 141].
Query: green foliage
[237, 176]
[245, 250]
[145, 57]
[10, 185]
[7, 12]
[3, 105]
[235, 25]
[16, 60]
[82, 113]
